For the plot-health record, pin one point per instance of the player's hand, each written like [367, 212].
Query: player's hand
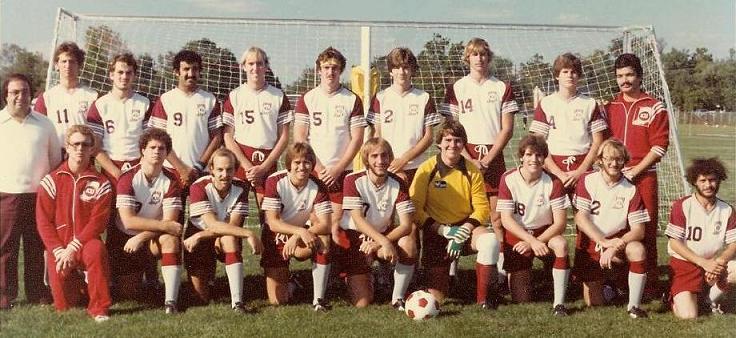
[133, 244]
[185, 174]
[309, 239]
[256, 246]
[573, 177]
[397, 165]
[368, 245]
[66, 259]
[479, 165]
[459, 234]
[616, 243]
[191, 242]
[173, 228]
[607, 258]
[255, 173]
[290, 247]
[388, 252]
[539, 248]
[712, 267]
[454, 249]
[522, 247]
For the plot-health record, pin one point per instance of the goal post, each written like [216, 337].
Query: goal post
[523, 55]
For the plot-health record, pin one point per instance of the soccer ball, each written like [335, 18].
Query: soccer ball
[421, 305]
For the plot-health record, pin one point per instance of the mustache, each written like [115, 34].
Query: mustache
[627, 83]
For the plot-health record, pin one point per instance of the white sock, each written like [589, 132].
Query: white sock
[559, 281]
[453, 268]
[235, 281]
[636, 288]
[320, 273]
[715, 294]
[502, 276]
[172, 281]
[402, 277]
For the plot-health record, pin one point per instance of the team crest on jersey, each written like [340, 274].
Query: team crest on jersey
[382, 205]
[135, 114]
[643, 116]
[717, 229]
[440, 184]
[83, 105]
[90, 191]
[339, 111]
[302, 206]
[155, 197]
[201, 110]
[540, 201]
[413, 109]
[577, 115]
[266, 108]
[492, 97]
[619, 203]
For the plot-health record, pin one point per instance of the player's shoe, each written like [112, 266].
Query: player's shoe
[170, 308]
[101, 318]
[715, 308]
[293, 286]
[240, 307]
[399, 304]
[560, 310]
[637, 312]
[321, 305]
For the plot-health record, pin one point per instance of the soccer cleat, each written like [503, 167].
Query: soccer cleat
[101, 318]
[637, 312]
[170, 308]
[715, 309]
[293, 286]
[321, 305]
[399, 304]
[560, 311]
[240, 307]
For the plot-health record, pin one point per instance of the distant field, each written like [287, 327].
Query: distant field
[707, 141]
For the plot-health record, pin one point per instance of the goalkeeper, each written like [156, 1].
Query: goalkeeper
[452, 210]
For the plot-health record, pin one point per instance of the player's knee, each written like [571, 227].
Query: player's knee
[408, 248]
[487, 246]
[558, 244]
[229, 243]
[635, 251]
[169, 243]
[685, 312]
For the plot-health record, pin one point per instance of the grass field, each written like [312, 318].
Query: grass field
[459, 316]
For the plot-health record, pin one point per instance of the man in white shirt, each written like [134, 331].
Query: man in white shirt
[30, 150]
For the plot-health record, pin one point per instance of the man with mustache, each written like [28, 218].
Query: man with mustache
[191, 116]
[702, 232]
[640, 121]
[66, 104]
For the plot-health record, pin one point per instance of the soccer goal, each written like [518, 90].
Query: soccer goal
[523, 55]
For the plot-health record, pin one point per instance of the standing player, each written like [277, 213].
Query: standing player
[149, 204]
[372, 197]
[702, 232]
[72, 211]
[533, 210]
[118, 119]
[610, 221]
[297, 209]
[452, 208]
[641, 123]
[404, 115]
[218, 207]
[330, 118]
[571, 123]
[29, 149]
[191, 116]
[66, 104]
[485, 106]
[256, 117]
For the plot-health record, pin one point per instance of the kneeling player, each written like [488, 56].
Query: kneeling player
[533, 208]
[610, 221]
[148, 204]
[371, 198]
[293, 199]
[218, 206]
[700, 226]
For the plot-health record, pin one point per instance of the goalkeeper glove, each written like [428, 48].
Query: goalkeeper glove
[459, 234]
[454, 248]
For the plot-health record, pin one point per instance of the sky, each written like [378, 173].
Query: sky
[681, 24]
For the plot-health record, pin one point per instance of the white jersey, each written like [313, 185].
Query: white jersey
[65, 108]
[330, 119]
[568, 124]
[377, 203]
[149, 200]
[612, 208]
[704, 232]
[120, 124]
[295, 205]
[204, 198]
[190, 120]
[531, 205]
[402, 119]
[479, 107]
[256, 115]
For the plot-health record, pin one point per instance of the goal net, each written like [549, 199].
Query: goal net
[523, 55]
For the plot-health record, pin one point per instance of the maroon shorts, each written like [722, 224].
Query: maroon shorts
[335, 190]
[687, 276]
[514, 261]
[203, 259]
[435, 250]
[568, 163]
[255, 156]
[587, 266]
[121, 262]
[348, 259]
[492, 175]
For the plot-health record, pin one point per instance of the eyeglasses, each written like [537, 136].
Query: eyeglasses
[82, 145]
[620, 160]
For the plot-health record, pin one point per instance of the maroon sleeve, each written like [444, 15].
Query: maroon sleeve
[40, 105]
[100, 214]
[301, 106]
[46, 216]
